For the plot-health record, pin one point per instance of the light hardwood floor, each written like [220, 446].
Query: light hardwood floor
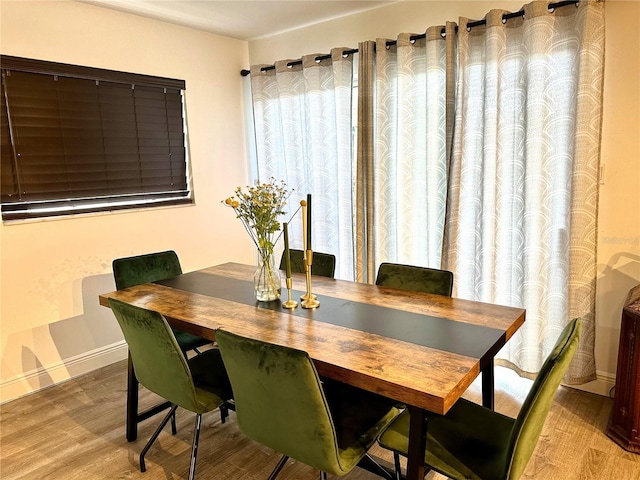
[75, 430]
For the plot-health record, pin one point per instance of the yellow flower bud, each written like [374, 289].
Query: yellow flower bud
[228, 201]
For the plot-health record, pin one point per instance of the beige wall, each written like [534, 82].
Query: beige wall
[619, 217]
[51, 326]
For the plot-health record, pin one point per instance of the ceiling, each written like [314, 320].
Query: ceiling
[244, 20]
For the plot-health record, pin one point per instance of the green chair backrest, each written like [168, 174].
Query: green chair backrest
[415, 279]
[530, 420]
[146, 268]
[279, 400]
[151, 267]
[324, 264]
[157, 358]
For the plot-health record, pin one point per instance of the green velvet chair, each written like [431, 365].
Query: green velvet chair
[474, 442]
[152, 267]
[324, 264]
[130, 271]
[415, 279]
[282, 403]
[199, 384]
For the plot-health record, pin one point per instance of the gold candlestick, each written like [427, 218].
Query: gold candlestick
[309, 300]
[307, 271]
[289, 303]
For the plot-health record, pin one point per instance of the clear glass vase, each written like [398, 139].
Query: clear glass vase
[267, 280]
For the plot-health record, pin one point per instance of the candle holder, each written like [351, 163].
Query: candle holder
[307, 271]
[289, 303]
[309, 300]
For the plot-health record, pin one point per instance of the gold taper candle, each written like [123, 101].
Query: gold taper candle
[287, 257]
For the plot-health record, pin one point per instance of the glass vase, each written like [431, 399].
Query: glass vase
[266, 280]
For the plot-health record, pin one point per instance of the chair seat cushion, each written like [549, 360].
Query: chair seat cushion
[469, 442]
[188, 341]
[355, 411]
[210, 379]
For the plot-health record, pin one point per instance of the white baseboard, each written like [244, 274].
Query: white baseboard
[41, 378]
[603, 384]
[62, 371]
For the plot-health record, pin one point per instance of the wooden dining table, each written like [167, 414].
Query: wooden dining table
[420, 349]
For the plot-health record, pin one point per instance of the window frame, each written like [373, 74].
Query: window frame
[162, 180]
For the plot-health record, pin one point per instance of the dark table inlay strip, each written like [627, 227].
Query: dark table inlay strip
[434, 332]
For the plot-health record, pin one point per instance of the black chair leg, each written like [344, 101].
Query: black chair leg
[224, 413]
[155, 435]
[224, 410]
[279, 466]
[194, 447]
[369, 463]
[174, 430]
[396, 462]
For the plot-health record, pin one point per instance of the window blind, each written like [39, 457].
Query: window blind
[78, 139]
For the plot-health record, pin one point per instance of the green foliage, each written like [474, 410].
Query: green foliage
[259, 208]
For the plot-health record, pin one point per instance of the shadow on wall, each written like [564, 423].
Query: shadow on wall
[615, 279]
[614, 282]
[30, 363]
[38, 357]
[95, 329]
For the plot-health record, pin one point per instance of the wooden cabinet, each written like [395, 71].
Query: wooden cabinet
[624, 423]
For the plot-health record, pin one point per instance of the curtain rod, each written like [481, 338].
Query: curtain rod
[470, 25]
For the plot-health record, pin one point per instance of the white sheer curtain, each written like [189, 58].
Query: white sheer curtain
[302, 116]
[505, 197]
[521, 223]
[411, 145]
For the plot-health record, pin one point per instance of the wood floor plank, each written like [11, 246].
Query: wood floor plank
[75, 431]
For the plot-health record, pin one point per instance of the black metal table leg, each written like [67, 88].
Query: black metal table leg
[488, 385]
[132, 402]
[133, 417]
[417, 443]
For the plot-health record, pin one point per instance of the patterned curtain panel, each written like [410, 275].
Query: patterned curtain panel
[303, 127]
[364, 197]
[477, 151]
[410, 159]
[522, 205]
